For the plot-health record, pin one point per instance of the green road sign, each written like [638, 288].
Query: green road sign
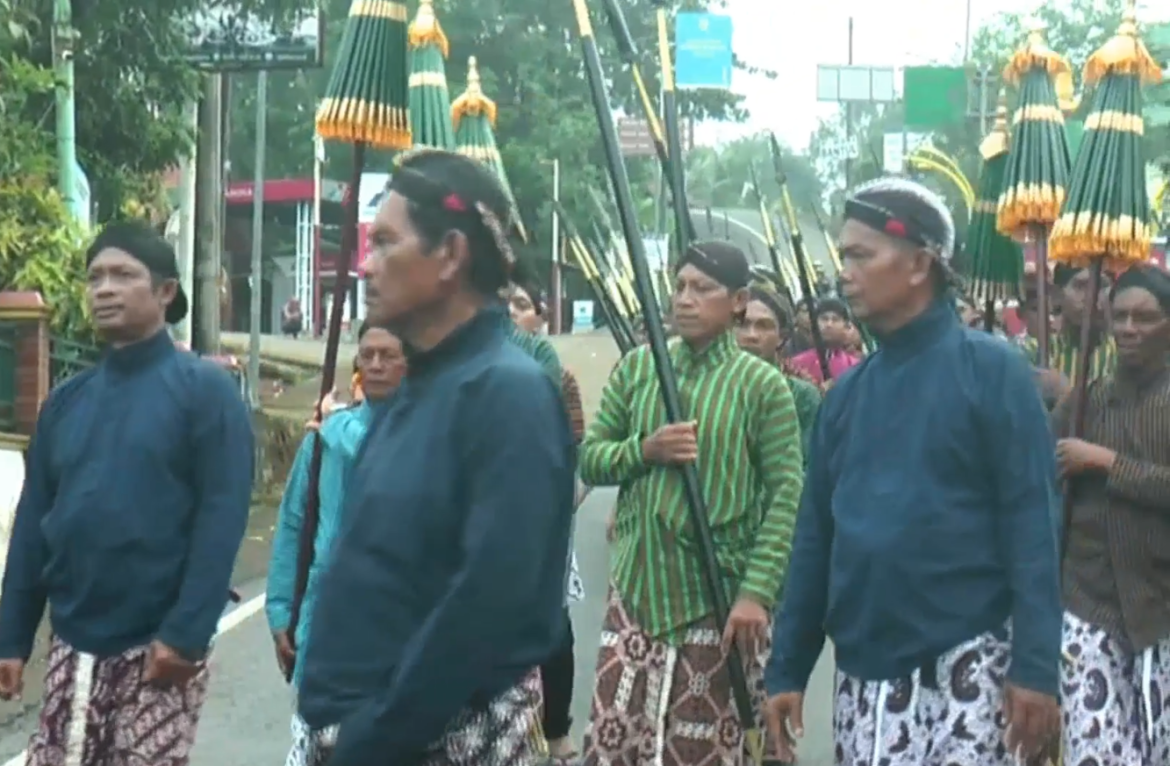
[936, 96]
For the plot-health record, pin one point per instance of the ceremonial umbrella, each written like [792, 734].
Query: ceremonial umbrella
[365, 104]
[1106, 219]
[996, 265]
[474, 117]
[1038, 165]
[430, 102]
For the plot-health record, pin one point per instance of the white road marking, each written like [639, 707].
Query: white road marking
[232, 619]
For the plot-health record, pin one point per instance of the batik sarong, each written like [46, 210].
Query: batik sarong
[504, 733]
[99, 712]
[952, 716]
[302, 743]
[658, 704]
[1115, 701]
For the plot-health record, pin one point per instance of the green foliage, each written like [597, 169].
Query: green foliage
[40, 250]
[720, 177]
[130, 85]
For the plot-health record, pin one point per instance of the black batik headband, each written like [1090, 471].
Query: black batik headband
[421, 190]
[884, 220]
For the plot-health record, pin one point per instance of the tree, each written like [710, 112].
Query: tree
[720, 178]
[131, 86]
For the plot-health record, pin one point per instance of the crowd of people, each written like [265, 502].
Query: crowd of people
[992, 575]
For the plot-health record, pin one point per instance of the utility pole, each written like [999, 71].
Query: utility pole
[257, 287]
[557, 291]
[186, 239]
[208, 212]
[849, 122]
[64, 36]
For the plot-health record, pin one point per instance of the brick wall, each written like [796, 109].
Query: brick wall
[28, 310]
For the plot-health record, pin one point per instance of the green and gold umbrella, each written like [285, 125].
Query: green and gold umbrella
[366, 101]
[430, 101]
[996, 262]
[474, 116]
[1036, 177]
[1107, 214]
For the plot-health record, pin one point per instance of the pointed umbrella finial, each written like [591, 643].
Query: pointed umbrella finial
[997, 141]
[425, 29]
[1124, 53]
[473, 102]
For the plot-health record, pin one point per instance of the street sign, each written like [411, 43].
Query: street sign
[634, 137]
[703, 58]
[936, 96]
[839, 151]
[224, 37]
[866, 84]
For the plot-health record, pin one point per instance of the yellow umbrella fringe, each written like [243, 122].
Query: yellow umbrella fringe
[1080, 238]
[473, 102]
[425, 29]
[998, 141]
[1035, 53]
[1124, 53]
[359, 121]
[1028, 205]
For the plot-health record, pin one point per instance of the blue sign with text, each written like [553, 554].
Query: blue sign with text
[703, 56]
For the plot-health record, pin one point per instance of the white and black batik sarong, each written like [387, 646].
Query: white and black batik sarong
[504, 733]
[1114, 700]
[948, 713]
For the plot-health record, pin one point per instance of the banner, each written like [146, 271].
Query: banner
[703, 58]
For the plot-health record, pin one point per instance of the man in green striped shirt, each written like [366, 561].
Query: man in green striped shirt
[1064, 351]
[662, 685]
[766, 324]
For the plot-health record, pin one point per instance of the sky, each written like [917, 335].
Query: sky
[887, 33]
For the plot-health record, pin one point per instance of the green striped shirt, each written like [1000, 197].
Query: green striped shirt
[1064, 354]
[538, 347]
[807, 399]
[749, 468]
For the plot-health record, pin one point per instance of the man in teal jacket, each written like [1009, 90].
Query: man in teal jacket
[381, 365]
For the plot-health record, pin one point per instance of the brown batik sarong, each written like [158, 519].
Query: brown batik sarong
[656, 704]
[505, 733]
[99, 712]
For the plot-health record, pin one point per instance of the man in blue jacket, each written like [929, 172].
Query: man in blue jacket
[445, 588]
[932, 566]
[133, 509]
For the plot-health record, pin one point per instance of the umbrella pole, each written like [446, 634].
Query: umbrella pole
[989, 315]
[308, 537]
[667, 382]
[1040, 240]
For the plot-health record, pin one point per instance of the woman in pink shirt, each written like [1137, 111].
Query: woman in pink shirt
[834, 323]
